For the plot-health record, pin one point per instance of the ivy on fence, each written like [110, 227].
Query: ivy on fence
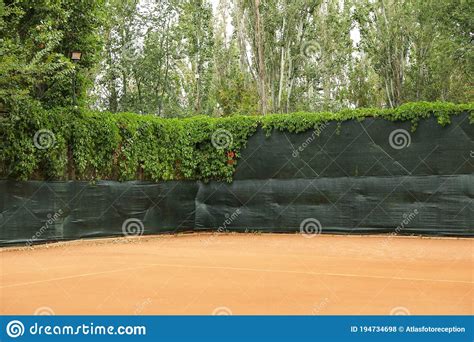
[86, 145]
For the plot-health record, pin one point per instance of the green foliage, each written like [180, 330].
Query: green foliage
[95, 145]
[413, 112]
[19, 157]
[419, 50]
[36, 39]
[157, 58]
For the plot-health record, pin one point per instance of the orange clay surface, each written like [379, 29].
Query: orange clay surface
[241, 274]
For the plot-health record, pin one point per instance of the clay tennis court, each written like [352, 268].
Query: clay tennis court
[241, 274]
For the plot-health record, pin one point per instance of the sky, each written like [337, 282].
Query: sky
[214, 4]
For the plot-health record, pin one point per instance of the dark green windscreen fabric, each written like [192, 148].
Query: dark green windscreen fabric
[372, 176]
[72, 210]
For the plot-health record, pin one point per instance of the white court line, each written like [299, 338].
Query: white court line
[73, 276]
[313, 273]
[347, 275]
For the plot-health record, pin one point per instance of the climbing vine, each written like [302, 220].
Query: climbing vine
[63, 144]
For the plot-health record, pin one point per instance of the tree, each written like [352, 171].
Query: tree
[180, 58]
[417, 48]
[37, 40]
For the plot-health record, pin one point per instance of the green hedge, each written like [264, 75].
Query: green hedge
[88, 145]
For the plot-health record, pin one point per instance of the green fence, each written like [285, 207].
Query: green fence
[368, 176]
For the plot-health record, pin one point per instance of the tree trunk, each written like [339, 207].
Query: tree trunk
[261, 61]
[282, 72]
